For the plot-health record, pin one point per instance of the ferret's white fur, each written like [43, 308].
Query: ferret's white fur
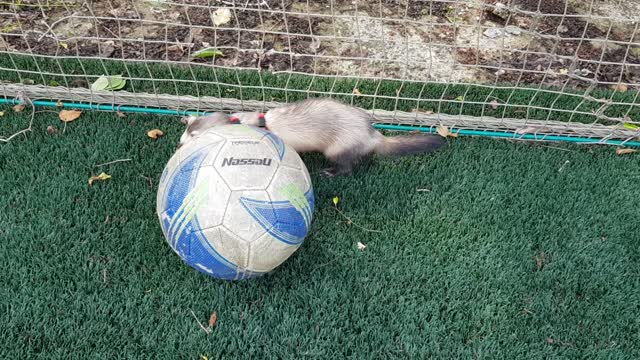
[344, 134]
[198, 124]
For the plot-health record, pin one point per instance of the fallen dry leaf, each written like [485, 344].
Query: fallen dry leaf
[619, 87]
[69, 115]
[625, 151]
[155, 133]
[494, 104]
[361, 246]
[213, 319]
[120, 114]
[18, 108]
[176, 47]
[59, 104]
[1, 113]
[357, 92]
[221, 16]
[550, 340]
[103, 176]
[315, 44]
[51, 130]
[444, 132]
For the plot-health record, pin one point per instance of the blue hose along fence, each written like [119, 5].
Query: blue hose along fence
[464, 132]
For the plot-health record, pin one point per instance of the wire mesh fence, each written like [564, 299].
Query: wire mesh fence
[550, 67]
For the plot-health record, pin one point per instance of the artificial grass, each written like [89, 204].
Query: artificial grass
[517, 251]
[538, 103]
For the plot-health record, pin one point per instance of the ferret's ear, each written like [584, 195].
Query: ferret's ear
[189, 119]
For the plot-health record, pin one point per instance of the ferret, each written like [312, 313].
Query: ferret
[341, 132]
[196, 125]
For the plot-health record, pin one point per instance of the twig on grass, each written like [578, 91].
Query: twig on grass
[47, 111]
[113, 162]
[567, 162]
[325, 264]
[351, 222]
[24, 100]
[206, 330]
[34, 5]
[150, 180]
[7, 139]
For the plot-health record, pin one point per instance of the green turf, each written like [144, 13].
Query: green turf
[532, 103]
[86, 272]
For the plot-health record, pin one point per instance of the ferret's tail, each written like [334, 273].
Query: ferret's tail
[408, 144]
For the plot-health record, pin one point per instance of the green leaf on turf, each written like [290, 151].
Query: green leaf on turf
[207, 53]
[631, 126]
[101, 84]
[109, 83]
[336, 200]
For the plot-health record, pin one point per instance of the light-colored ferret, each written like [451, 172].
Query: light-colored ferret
[196, 125]
[342, 133]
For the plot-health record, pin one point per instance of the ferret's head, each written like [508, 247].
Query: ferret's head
[247, 118]
[196, 125]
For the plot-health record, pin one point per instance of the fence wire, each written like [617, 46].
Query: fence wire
[558, 67]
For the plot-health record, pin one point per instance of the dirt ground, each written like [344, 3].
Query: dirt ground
[533, 42]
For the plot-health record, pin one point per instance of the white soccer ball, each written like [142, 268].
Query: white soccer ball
[235, 202]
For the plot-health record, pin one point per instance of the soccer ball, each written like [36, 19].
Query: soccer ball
[235, 202]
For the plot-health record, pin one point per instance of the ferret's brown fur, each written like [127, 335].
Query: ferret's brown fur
[344, 134]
